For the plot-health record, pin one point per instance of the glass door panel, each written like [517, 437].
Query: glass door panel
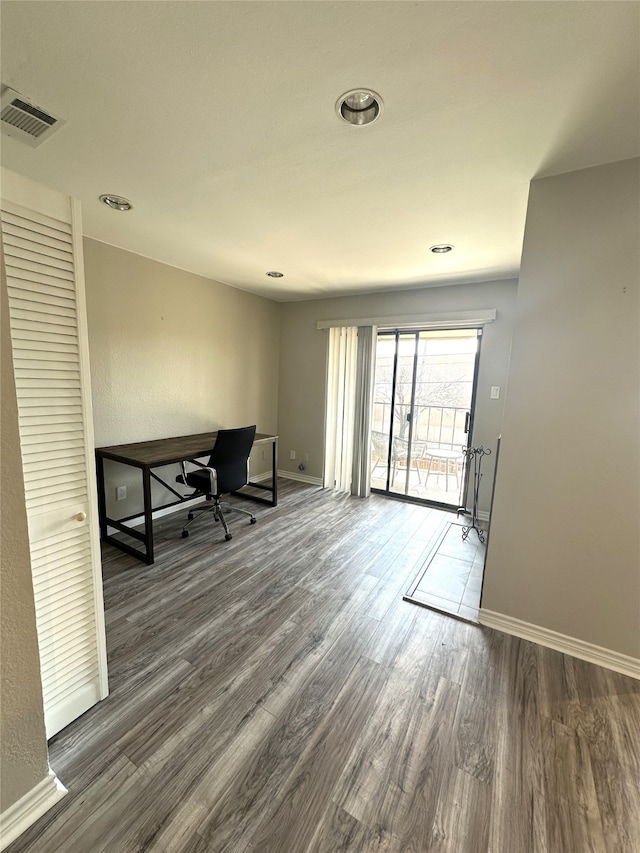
[402, 414]
[382, 409]
[423, 403]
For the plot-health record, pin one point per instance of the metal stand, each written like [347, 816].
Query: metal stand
[475, 453]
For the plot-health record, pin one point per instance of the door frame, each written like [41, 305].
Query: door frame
[472, 417]
[396, 333]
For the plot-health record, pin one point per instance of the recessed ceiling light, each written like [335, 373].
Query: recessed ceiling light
[116, 202]
[441, 248]
[275, 274]
[359, 106]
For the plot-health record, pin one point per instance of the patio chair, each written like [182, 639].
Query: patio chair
[399, 454]
[450, 459]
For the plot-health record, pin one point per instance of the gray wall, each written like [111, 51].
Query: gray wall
[23, 745]
[564, 545]
[303, 362]
[173, 353]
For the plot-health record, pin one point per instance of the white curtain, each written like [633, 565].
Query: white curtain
[341, 383]
[361, 469]
[349, 396]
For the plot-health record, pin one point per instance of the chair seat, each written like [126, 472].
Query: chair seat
[198, 480]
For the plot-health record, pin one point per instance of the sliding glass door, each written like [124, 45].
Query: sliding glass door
[422, 413]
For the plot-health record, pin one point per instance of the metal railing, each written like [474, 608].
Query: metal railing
[441, 427]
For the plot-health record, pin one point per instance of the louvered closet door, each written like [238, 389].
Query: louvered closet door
[48, 329]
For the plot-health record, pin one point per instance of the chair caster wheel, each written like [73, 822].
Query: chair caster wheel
[190, 516]
[185, 533]
[252, 521]
[228, 536]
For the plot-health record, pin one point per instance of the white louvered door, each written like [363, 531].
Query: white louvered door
[43, 257]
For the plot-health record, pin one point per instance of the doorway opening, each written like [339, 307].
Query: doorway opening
[422, 417]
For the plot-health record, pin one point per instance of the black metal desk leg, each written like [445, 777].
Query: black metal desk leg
[274, 470]
[148, 515]
[102, 498]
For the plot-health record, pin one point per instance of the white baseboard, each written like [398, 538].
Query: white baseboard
[562, 643]
[300, 478]
[21, 815]
[258, 478]
[138, 521]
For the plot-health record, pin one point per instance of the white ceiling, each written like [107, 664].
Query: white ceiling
[217, 119]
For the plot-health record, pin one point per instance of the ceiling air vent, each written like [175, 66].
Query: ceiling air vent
[24, 121]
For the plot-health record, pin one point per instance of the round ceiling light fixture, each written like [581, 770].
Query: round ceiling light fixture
[116, 202]
[359, 106]
[441, 248]
[275, 274]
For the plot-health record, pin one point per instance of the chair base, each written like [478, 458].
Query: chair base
[218, 508]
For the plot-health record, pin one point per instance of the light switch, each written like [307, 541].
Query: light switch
[495, 392]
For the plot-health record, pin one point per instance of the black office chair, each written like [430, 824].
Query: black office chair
[227, 471]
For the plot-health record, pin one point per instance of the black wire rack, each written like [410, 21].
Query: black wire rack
[476, 454]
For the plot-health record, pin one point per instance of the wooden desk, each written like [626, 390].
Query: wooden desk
[147, 455]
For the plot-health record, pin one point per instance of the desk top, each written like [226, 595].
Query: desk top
[164, 451]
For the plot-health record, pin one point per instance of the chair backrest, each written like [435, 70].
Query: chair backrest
[380, 444]
[399, 449]
[229, 457]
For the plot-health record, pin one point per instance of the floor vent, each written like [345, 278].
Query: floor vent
[24, 121]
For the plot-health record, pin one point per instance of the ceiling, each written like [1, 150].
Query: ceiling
[217, 120]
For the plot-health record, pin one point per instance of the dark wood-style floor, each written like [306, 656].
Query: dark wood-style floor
[274, 693]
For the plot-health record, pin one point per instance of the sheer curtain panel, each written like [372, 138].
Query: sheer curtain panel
[349, 390]
[341, 383]
[365, 368]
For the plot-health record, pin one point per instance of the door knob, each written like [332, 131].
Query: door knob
[81, 516]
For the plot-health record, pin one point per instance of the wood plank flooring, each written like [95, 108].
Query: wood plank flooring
[275, 694]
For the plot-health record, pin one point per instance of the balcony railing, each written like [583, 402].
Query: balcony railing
[432, 467]
[438, 427]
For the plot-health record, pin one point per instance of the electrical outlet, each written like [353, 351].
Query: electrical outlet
[121, 493]
[305, 458]
[292, 454]
[495, 392]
